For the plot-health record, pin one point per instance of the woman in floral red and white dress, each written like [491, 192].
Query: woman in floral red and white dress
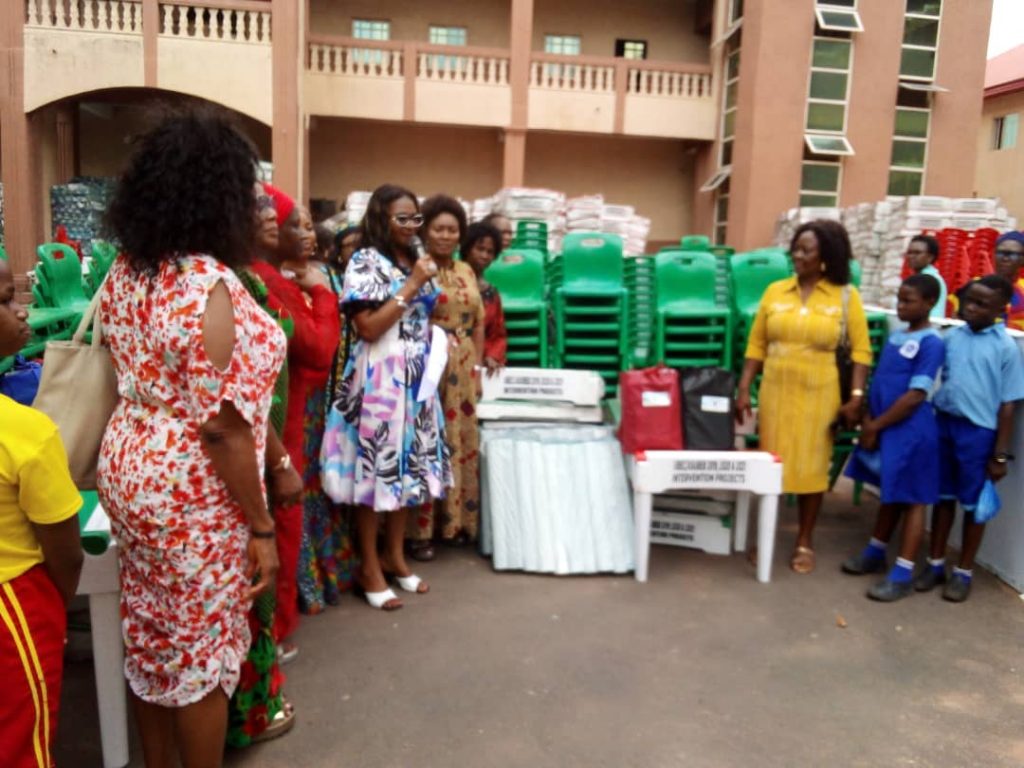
[182, 460]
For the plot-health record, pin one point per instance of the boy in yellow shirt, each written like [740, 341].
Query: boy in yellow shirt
[40, 561]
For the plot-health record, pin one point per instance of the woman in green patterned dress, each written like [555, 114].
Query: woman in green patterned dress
[258, 710]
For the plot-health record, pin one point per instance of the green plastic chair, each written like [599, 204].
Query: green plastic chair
[753, 271]
[590, 304]
[692, 329]
[60, 272]
[103, 254]
[695, 243]
[592, 265]
[518, 274]
[3, 253]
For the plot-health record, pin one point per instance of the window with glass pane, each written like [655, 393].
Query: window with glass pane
[730, 95]
[729, 124]
[566, 45]
[925, 7]
[919, 31]
[905, 182]
[917, 63]
[829, 85]
[831, 54]
[732, 66]
[826, 117]
[819, 177]
[839, 21]
[1004, 131]
[819, 201]
[841, 3]
[908, 153]
[631, 49]
[726, 152]
[912, 122]
[366, 29]
[448, 35]
[737, 11]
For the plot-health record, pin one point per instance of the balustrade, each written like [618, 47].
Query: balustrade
[119, 16]
[209, 21]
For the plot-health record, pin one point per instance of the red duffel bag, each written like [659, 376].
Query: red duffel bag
[651, 410]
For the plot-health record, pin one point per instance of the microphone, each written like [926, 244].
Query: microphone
[416, 245]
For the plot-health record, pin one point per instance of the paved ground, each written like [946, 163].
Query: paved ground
[700, 667]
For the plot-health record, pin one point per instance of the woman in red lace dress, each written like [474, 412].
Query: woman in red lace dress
[480, 247]
[306, 295]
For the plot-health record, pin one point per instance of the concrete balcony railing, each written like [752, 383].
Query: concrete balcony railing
[614, 95]
[215, 49]
[346, 77]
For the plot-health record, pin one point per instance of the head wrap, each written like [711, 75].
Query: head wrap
[1013, 236]
[283, 204]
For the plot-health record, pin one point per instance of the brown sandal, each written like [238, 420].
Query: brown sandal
[803, 560]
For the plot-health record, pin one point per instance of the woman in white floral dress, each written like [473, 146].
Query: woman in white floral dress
[384, 448]
[182, 461]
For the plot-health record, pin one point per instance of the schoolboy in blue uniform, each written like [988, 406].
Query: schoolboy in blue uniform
[901, 435]
[982, 381]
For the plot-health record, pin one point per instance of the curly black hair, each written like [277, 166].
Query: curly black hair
[376, 224]
[478, 231]
[188, 189]
[435, 205]
[833, 248]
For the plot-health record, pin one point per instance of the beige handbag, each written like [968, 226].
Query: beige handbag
[78, 390]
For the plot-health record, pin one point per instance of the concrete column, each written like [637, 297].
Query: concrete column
[66, 125]
[520, 44]
[288, 133]
[514, 168]
[23, 227]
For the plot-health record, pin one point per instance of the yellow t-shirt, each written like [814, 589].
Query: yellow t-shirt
[35, 485]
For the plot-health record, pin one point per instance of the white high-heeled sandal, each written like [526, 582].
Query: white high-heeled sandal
[411, 583]
[380, 600]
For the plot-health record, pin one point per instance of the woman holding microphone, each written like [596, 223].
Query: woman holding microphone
[384, 449]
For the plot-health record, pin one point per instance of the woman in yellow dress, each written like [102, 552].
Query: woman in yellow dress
[460, 312]
[793, 341]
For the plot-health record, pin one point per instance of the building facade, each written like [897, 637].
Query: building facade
[1000, 152]
[707, 115]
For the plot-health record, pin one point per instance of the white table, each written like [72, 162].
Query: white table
[749, 473]
[99, 581]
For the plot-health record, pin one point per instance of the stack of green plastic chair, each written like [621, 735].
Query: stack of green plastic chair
[639, 273]
[102, 256]
[518, 274]
[59, 279]
[749, 274]
[531, 234]
[722, 253]
[591, 307]
[692, 329]
[59, 296]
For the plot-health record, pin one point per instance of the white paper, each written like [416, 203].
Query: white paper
[713, 404]
[651, 399]
[437, 359]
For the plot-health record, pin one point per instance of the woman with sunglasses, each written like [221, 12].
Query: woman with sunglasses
[1008, 262]
[460, 312]
[384, 449]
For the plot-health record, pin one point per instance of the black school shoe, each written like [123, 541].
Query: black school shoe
[957, 590]
[929, 578]
[858, 565]
[887, 591]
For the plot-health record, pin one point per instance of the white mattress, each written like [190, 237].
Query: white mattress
[555, 499]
